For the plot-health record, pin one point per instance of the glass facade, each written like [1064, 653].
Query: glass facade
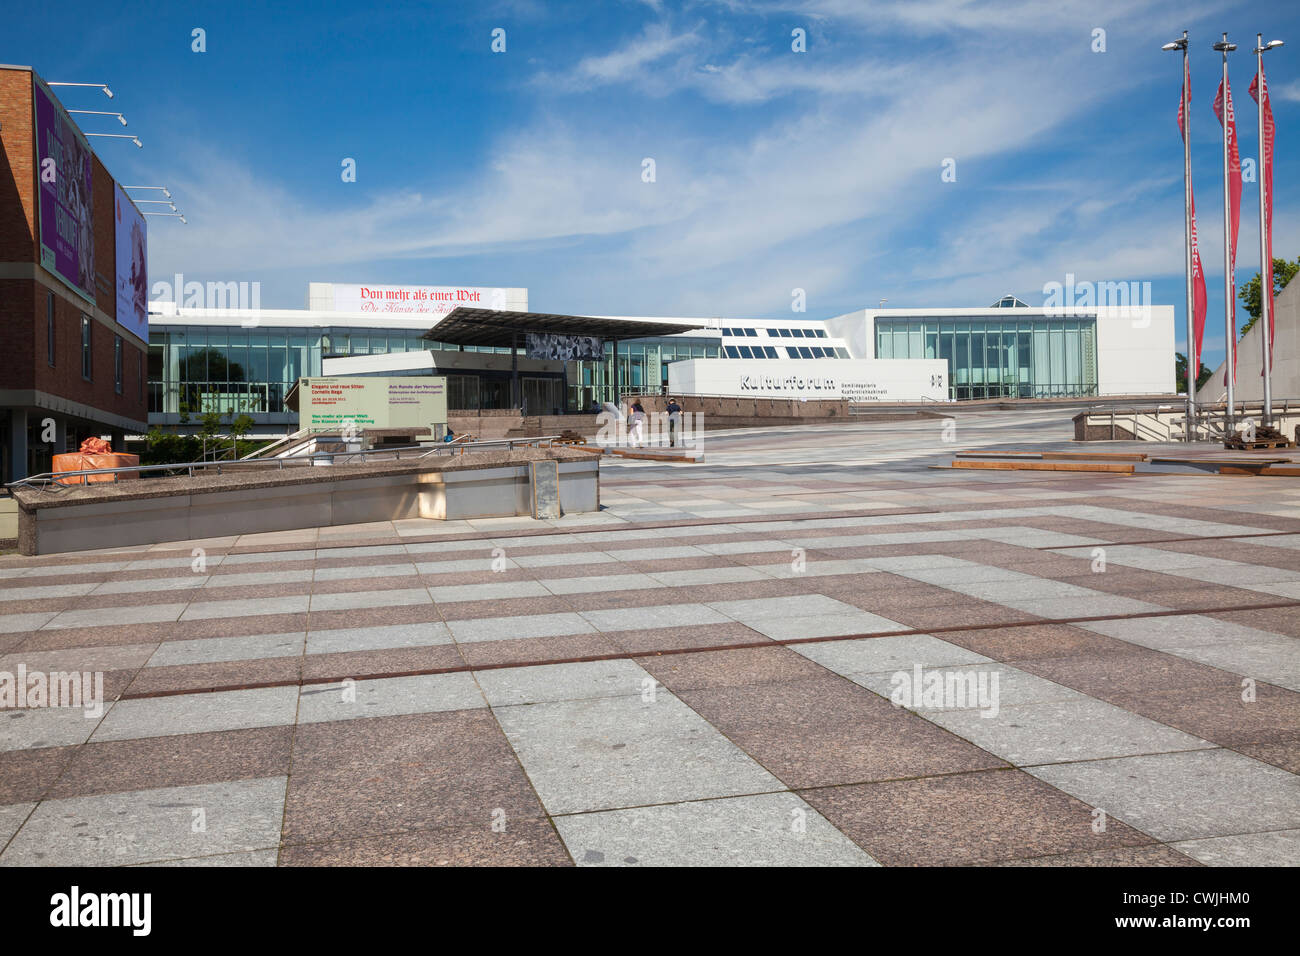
[1002, 356]
[199, 369]
[643, 368]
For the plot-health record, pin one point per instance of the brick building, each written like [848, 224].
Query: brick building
[68, 367]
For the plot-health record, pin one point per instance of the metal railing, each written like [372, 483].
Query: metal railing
[56, 480]
[1168, 422]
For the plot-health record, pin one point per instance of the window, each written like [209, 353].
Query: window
[117, 364]
[805, 352]
[49, 328]
[86, 367]
[731, 351]
[745, 352]
[726, 331]
[785, 333]
[841, 352]
[752, 333]
[769, 351]
[820, 333]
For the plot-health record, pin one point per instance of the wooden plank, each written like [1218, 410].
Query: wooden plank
[1046, 466]
[1281, 471]
[1094, 456]
[1219, 462]
[999, 454]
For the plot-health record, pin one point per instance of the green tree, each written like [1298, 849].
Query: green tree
[1283, 272]
[209, 429]
[1180, 372]
[241, 426]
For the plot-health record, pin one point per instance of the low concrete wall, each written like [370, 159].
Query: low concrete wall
[500, 492]
[1166, 424]
[182, 509]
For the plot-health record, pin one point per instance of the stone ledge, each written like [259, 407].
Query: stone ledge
[234, 479]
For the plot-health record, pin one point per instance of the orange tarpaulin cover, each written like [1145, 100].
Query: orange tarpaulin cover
[95, 446]
[81, 461]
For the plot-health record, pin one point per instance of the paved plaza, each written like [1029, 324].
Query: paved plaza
[731, 663]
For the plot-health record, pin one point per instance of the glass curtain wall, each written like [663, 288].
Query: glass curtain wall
[1032, 357]
[643, 369]
[193, 371]
[232, 370]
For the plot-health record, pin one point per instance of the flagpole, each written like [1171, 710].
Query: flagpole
[1193, 363]
[1265, 294]
[1230, 336]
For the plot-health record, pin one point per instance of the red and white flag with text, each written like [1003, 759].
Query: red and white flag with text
[1259, 92]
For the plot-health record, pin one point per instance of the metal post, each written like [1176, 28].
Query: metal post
[514, 372]
[1230, 336]
[618, 398]
[1193, 359]
[1265, 295]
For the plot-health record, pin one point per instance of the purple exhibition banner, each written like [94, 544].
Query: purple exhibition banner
[64, 178]
[132, 265]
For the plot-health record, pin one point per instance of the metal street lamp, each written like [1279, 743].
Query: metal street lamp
[100, 86]
[134, 139]
[164, 189]
[120, 118]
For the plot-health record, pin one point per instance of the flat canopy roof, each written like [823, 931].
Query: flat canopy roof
[464, 326]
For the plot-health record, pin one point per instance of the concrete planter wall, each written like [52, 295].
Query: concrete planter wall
[47, 526]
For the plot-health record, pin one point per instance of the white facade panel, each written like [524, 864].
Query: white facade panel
[1135, 345]
[887, 380]
[1135, 350]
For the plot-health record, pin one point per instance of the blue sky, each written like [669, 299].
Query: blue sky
[775, 170]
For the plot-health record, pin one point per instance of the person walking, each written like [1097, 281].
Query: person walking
[638, 424]
[674, 421]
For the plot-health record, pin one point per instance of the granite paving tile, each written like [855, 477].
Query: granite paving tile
[397, 660]
[204, 677]
[966, 818]
[388, 697]
[355, 779]
[144, 825]
[766, 830]
[1185, 796]
[1279, 848]
[525, 842]
[826, 731]
[199, 713]
[178, 760]
[610, 752]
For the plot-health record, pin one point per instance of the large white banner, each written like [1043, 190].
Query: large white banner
[417, 299]
[857, 380]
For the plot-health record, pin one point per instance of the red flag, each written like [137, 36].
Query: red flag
[1234, 202]
[1198, 274]
[1266, 184]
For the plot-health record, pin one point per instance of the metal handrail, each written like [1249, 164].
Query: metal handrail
[52, 480]
[456, 447]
